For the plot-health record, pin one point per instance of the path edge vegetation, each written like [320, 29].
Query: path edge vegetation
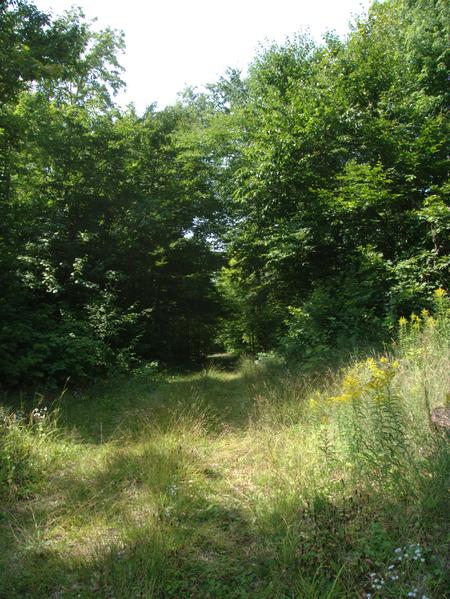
[259, 482]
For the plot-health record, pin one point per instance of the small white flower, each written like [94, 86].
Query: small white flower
[391, 567]
[398, 550]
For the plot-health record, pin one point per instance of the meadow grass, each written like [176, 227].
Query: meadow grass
[256, 482]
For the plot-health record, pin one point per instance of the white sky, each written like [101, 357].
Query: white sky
[174, 43]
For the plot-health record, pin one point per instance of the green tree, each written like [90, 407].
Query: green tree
[341, 179]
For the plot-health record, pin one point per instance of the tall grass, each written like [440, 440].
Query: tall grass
[260, 482]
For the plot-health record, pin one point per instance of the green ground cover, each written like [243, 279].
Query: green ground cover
[253, 482]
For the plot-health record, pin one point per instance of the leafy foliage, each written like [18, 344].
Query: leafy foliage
[339, 209]
[106, 216]
[301, 209]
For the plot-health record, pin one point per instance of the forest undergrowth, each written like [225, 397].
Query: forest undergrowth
[255, 482]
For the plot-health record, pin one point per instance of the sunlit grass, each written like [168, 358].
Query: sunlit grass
[236, 484]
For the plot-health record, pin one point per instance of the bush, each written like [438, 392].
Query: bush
[342, 314]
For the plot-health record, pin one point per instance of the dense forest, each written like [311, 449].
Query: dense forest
[301, 209]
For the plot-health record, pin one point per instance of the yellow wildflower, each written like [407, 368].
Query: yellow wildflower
[440, 293]
[342, 398]
[402, 321]
[351, 389]
[430, 322]
[415, 320]
[351, 383]
[373, 366]
[384, 360]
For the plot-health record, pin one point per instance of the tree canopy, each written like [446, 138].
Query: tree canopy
[302, 208]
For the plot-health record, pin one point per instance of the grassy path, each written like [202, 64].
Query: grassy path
[215, 484]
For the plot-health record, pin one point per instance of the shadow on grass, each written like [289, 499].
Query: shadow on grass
[153, 521]
[174, 541]
[156, 520]
[114, 408]
[119, 407]
[189, 537]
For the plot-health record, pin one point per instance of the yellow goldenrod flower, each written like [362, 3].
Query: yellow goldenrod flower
[402, 321]
[384, 360]
[351, 383]
[342, 398]
[430, 322]
[440, 293]
[373, 366]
